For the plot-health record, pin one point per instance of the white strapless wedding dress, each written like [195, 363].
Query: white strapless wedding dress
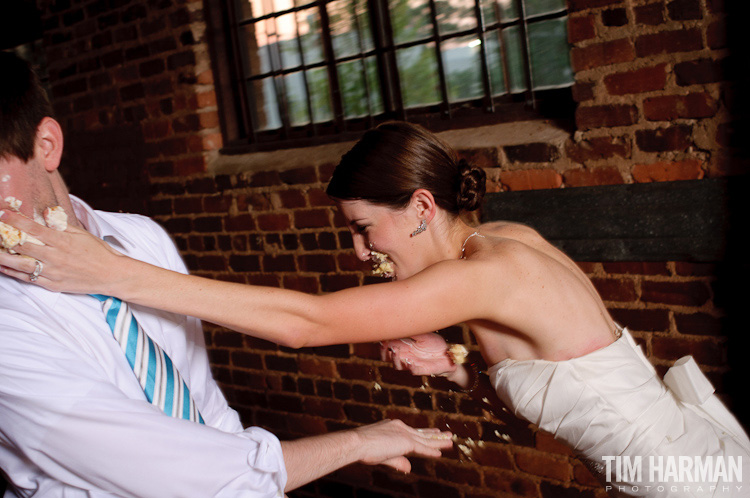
[611, 406]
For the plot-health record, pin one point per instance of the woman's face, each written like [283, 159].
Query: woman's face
[386, 230]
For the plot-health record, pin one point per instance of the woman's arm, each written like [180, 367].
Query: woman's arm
[444, 294]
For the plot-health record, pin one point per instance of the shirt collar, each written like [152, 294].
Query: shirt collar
[98, 225]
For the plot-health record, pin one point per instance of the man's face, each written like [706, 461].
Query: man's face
[27, 182]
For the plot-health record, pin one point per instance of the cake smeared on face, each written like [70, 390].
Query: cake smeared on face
[10, 237]
[458, 353]
[56, 218]
[382, 266]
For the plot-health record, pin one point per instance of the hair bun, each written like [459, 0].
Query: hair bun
[472, 187]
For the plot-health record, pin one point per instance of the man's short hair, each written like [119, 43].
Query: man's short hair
[23, 105]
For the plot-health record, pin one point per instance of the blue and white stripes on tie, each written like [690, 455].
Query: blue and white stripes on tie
[159, 378]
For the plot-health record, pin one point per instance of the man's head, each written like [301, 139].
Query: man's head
[23, 105]
[31, 141]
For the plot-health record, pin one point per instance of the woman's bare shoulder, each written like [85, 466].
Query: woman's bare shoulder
[511, 230]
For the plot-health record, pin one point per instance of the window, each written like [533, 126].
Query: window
[292, 70]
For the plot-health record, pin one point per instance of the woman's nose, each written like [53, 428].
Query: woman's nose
[361, 247]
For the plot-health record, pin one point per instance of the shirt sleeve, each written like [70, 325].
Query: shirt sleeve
[65, 416]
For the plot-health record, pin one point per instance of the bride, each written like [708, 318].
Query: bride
[558, 359]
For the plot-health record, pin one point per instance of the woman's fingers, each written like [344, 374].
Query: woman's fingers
[15, 262]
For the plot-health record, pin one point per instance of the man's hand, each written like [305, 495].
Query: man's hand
[387, 442]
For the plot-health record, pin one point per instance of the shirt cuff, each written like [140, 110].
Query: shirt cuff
[267, 456]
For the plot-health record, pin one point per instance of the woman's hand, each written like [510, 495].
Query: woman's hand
[425, 354]
[71, 261]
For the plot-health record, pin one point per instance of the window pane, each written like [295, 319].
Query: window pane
[255, 50]
[296, 99]
[418, 72]
[549, 54]
[310, 34]
[354, 93]
[262, 94]
[286, 30]
[512, 40]
[410, 20]
[534, 7]
[463, 70]
[350, 27]
[495, 64]
[320, 94]
[455, 15]
[376, 101]
[508, 10]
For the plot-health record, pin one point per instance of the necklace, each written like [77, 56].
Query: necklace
[463, 246]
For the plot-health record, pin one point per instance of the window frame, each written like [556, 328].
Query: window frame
[234, 112]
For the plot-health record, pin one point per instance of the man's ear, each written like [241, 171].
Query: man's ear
[49, 144]
[423, 201]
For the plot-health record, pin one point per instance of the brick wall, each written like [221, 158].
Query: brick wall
[132, 86]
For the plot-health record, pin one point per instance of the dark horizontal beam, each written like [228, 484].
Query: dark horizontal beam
[663, 221]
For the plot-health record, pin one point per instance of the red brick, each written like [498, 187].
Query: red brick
[669, 42]
[337, 282]
[273, 222]
[510, 483]
[540, 464]
[485, 157]
[602, 54]
[693, 269]
[614, 17]
[317, 263]
[698, 324]
[675, 293]
[705, 352]
[636, 268]
[318, 197]
[592, 177]
[547, 443]
[303, 284]
[531, 179]
[666, 171]
[581, 28]
[240, 223]
[670, 107]
[583, 91]
[324, 408]
[642, 320]
[684, 10]
[537, 152]
[582, 475]
[676, 137]
[618, 290]
[646, 79]
[189, 166]
[318, 367]
[299, 175]
[597, 148]
[605, 116]
[312, 218]
[716, 35]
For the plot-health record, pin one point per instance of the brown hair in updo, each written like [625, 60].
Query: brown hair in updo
[394, 159]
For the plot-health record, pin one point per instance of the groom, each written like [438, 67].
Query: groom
[74, 419]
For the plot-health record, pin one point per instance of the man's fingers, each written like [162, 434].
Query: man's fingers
[401, 464]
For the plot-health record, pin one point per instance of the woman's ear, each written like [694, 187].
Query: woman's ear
[424, 203]
[49, 144]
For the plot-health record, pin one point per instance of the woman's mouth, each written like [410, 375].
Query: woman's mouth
[382, 266]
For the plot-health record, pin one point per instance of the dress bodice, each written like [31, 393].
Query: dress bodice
[612, 403]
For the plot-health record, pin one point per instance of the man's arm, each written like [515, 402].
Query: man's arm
[385, 442]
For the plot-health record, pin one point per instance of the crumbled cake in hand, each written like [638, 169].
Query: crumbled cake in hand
[11, 237]
[15, 204]
[382, 266]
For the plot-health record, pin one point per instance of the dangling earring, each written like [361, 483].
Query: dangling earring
[421, 228]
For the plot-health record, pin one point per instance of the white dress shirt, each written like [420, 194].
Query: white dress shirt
[74, 421]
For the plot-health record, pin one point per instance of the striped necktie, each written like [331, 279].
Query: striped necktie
[159, 378]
